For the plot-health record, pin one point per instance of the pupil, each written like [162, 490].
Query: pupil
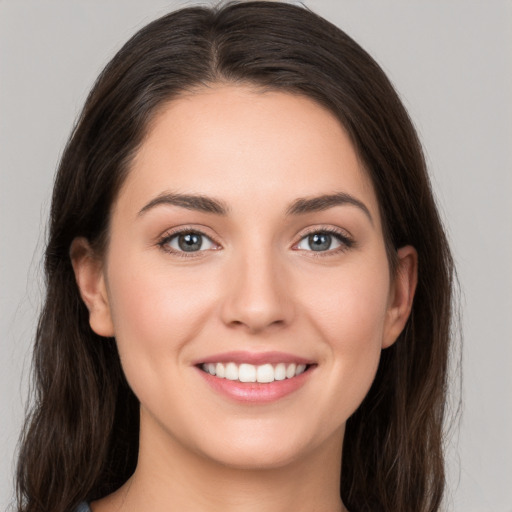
[190, 242]
[319, 241]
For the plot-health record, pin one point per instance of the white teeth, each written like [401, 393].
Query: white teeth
[231, 371]
[220, 370]
[265, 373]
[301, 368]
[247, 373]
[244, 372]
[290, 371]
[280, 371]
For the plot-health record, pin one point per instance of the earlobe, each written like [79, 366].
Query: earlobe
[402, 292]
[90, 279]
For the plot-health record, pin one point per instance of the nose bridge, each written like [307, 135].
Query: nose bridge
[258, 295]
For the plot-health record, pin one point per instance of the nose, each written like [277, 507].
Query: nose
[257, 296]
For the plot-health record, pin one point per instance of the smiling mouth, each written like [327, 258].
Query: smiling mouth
[264, 373]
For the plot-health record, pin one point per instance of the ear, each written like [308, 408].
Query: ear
[88, 268]
[401, 294]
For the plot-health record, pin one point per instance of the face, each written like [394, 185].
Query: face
[246, 278]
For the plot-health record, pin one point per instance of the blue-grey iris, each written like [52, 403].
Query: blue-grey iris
[190, 242]
[320, 241]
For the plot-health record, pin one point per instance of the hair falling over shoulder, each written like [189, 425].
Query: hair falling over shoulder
[81, 437]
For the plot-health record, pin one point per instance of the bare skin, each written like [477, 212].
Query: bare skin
[247, 226]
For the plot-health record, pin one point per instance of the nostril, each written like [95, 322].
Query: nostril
[255, 325]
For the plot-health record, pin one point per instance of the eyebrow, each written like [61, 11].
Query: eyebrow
[300, 206]
[189, 201]
[324, 202]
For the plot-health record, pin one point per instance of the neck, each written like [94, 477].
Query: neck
[171, 477]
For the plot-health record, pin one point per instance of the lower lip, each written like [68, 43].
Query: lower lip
[256, 392]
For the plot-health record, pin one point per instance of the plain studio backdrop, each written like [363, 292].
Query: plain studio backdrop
[451, 62]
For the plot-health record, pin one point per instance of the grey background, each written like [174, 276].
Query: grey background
[452, 63]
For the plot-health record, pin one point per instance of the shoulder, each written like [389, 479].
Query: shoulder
[83, 507]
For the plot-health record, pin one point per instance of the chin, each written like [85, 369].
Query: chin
[273, 447]
[257, 458]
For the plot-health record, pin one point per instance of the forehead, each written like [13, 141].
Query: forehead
[239, 143]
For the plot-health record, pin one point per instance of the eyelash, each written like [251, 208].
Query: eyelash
[170, 235]
[346, 242]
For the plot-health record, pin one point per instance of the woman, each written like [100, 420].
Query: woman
[248, 285]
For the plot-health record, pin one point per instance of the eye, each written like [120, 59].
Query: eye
[323, 241]
[187, 241]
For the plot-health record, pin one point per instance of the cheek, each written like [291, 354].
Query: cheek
[350, 315]
[155, 313]
[351, 307]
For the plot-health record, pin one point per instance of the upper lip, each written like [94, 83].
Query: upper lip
[255, 358]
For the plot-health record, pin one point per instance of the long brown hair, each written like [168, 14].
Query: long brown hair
[81, 438]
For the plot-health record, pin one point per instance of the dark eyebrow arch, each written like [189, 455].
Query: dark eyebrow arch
[319, 203]
[189, 201]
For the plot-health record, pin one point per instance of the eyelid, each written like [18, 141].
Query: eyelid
[344, 237]
[163, 240]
